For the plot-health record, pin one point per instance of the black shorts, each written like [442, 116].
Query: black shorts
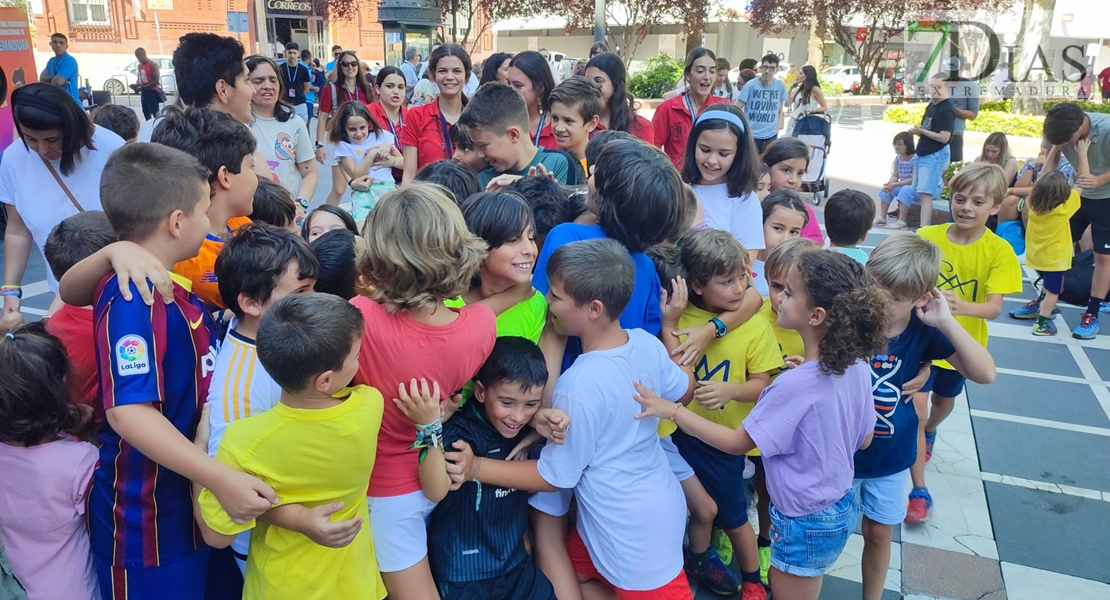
[722, 475]
[525, 582]
[956, 147]
[1096, 214]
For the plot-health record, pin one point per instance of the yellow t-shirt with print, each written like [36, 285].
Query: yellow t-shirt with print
[310, 457]
[973, 272]
[790, 341]
[1048, 244]
[749, 348]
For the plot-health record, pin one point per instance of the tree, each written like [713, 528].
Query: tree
[470, 19]
[635, 18]
[1036, 26]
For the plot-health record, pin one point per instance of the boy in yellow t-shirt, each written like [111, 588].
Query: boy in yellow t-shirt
[317, 449]
[731, 374]
[1048, 245]
[977, 269]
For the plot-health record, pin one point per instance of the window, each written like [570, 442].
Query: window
[92, 12]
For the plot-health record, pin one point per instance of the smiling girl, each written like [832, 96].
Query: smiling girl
[426, 135]
[363, 148]
[788, 159]
[348, 84]
[530, 76]
[675, 117]
[281, 134]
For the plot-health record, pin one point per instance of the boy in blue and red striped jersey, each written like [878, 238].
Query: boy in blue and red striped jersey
[155, 363]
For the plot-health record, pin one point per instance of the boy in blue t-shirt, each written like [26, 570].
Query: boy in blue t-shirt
[476, 533]
[922, 329]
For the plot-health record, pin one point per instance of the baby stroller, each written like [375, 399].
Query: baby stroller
[815, 131]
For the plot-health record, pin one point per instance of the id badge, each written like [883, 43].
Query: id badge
[292, 93]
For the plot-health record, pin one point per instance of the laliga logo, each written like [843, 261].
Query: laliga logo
[131, 350]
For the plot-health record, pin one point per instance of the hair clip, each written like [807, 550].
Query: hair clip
[9, 335]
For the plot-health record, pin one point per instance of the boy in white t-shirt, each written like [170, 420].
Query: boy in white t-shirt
[614, 462]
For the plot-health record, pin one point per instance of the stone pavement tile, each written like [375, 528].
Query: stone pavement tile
[835, 588]
[1100, 359]
[1033, 355]
[959, 520]
[1026, 583]
[940, 573]
[954, 452]
[1062, 401]
[1043, 454]
[1056, 532]
[847, 566]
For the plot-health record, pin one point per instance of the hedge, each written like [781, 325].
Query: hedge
[1086, 105]
[988, 121]
[659, 75]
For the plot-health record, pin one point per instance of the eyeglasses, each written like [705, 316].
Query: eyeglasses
[767, 67]
[349, 63]
[336, 54]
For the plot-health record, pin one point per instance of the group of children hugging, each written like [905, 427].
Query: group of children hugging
[512, 393]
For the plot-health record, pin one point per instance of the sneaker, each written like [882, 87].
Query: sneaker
[752, 591]
[1029, 311]
[714, 574]
[897, 225]
[1104, 307]
[920, 503]
[930, 439]
[764, 563]
[722, 545]
[1088, 327]
[1045, 328]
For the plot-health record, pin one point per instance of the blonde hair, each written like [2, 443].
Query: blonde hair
[906, 265]
[989, 176]
[418, 250]
[708, 253]
[783, 256]
[1000, 141]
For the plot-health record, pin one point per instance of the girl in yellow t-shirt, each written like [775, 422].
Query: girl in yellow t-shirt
[1048, 243]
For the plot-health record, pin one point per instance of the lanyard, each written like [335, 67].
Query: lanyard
[400, 123]
[444, 133]
[349, 92]
[292, 77]
[690, 107]
[539, 128]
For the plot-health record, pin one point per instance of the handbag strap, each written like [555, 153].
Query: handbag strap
[61, 183]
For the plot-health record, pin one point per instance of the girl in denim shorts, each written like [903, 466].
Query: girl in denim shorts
[810, 421]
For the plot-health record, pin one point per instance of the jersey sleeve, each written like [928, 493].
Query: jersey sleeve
[764, 354]
[1005, 272]
[130, 372]
[213, 513]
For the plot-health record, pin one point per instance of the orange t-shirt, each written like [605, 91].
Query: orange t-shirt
[201, 269]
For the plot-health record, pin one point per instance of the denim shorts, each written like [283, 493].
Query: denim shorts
[807, 546]
[929, 177]
[883, 499]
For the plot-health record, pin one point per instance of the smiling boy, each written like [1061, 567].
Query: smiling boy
[575, 114]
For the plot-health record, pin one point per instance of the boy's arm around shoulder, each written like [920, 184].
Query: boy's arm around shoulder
[130, 261]
[970, 358]
[205, 506]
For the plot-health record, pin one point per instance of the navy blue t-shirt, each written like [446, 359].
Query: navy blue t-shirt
[470, 540]
[894, 447]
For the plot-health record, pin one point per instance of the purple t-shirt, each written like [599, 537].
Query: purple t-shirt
[808, 426]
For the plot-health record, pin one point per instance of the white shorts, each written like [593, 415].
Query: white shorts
[398, 525]
[682, 470]
[883, 499]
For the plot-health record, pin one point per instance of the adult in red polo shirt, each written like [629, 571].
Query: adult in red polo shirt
[426, 134]
[675, 118]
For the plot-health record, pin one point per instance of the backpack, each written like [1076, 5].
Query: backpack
[1077, 279]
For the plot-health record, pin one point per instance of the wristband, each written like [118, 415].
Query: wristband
[11, 290]
[674, 411]
[427, 437]
[478, 496]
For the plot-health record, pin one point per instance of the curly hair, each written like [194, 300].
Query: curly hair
[34, 401]
[856, 320]
[418, 250]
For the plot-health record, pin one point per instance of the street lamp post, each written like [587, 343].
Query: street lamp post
[599, 21]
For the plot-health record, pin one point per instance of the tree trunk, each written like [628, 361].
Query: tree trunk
[1036, 27]
[817, 31]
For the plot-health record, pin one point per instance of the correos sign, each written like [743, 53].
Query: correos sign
[288, 6]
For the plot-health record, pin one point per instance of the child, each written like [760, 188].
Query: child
[338, 275]
[575, 109]
[418, 254]
[731, 373]
[46, 472]
[155, 364]
[317, 448]
[764, 182]
[849, 215]
[933, 149]
[465, 152]
[978, 269]
[363, 149]
[921, 329]
[784, 217]
[226, 149]
[274, 205]
[118, 119]
[602, 138]
[897, 190]
[476, 535]
[675, 117]
[259, 266]
[615, 464]
[1049, 244]
[453, 175]
[788, 160]
[552, 203]
[720, 167]
[497, 120]
[325, 218]
[72, 241]
[809, 422]
[777, 267]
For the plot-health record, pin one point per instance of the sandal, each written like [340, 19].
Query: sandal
[897, 225]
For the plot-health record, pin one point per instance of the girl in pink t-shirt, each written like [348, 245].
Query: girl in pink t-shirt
[788, 159]
[46, 473]
[418, 253]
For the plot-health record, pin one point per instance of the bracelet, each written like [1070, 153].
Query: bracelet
[11, 290]
[427, 437]
[478, 496]
[674, 411]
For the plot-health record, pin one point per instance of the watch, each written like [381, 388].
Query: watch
[319, 145]
[303, 202]
[722, 329]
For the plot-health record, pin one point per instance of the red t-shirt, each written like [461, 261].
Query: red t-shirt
[73, 326]
[672, 124]
[1104, 80]
[547, 138]
[394, 129]
[642, 129]
[327, 96]
[397, 348]
[427, 132]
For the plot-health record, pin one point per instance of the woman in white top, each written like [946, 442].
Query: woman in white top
[52, 175]
[281, 134]
[806, 97]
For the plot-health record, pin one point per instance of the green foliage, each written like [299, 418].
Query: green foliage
[1086, 105]
[830, 88]
[660, 74]
[998, 106]
[988, 121]
[949, 173]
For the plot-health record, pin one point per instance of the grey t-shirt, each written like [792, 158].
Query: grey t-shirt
[1098, 156]
[964, 96]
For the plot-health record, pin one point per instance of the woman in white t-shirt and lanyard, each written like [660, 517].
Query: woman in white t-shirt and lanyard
[348, 84]
[53, 174]
[281, 134]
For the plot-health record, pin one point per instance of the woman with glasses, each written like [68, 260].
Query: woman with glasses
[282, 135]
[348, 84]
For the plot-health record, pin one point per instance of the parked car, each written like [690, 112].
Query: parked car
[844, 75]
[120, 83]
[734, 73]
